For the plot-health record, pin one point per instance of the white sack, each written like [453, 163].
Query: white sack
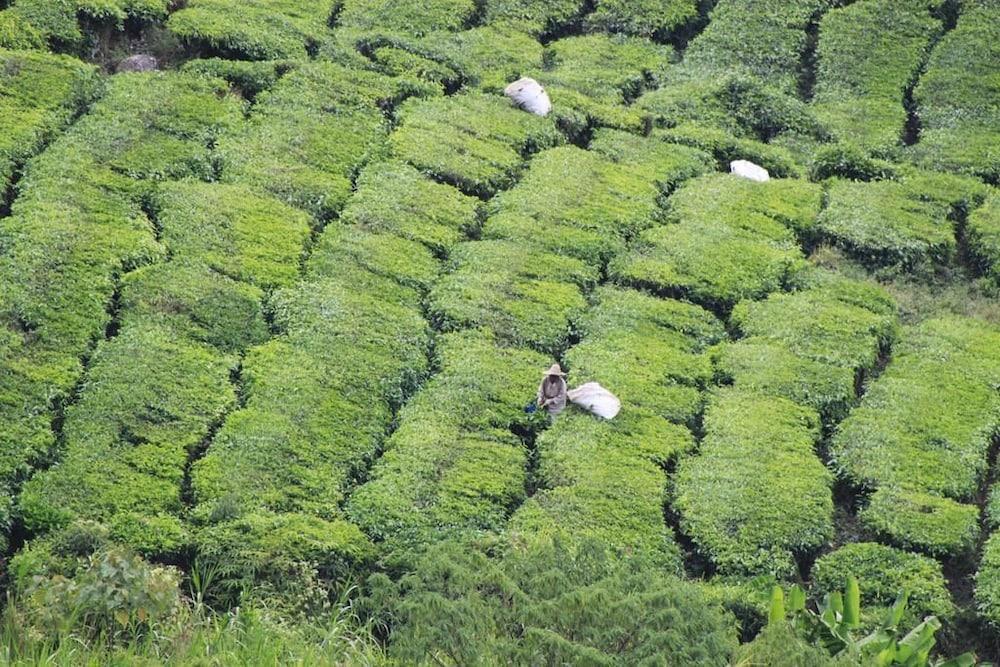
[748, 169]
[595, 398]
[530, 96]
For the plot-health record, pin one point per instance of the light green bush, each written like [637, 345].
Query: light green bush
[649, 18]
[988, 581]
[883, 573]
[923, 521]
[983, 236]
[408, 17]
[534, 16]
[756, 495]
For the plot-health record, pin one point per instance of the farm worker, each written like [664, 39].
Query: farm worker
[552, 390]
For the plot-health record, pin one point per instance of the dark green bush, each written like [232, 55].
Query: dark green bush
[260, 30]
[550, 603]
[883, 573]
[988, 581]
[752, 513]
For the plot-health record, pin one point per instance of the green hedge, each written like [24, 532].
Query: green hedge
[453, 466]
[395, 198]
[39, 94]
[260, 30]
[733, 239]
[581, 204]
[474, 141]
[604, 479]
[922, 521]
[649, 18]
[590, 79]
[525, 296]
[233, 230]
[534, 16]
[921, 435]
[756, 496]
[983, 236]
[883, 573]
[988, 581]
[726, 147]
[149, 400]
[411, 17]
[958, 98]
[766, 39]
[34, 24]
[867, 56]
[311, 132]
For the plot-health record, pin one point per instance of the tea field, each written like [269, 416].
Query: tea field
[270, 316]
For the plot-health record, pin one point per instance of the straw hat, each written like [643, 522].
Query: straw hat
[555, 369]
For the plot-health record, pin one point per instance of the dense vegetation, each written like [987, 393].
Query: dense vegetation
[270, 317]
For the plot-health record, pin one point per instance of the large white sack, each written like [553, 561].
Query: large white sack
[748, 169]
[530, 96]
[596, 399]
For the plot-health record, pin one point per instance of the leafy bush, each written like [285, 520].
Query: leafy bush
[983, 236]
[923, 521]
[453, 466]
[728, 494]
[261, 30]
[868, 53]
[409, 17]
[847, 160]
[779, 644]
[488, 57]
[957, 97]
[883, 573]
[525, 296]
[988, 581]
[534, 16]
[395, 198]
[553, 603]
[735, 239]
[925, 425]
[659, 18]
[148, 401]
[765, 39]
[473, 141]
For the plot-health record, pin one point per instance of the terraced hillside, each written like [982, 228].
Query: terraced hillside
[272, 312]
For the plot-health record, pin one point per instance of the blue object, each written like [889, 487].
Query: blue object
[531, 408]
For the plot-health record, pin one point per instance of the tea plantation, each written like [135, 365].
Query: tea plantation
[271, 313]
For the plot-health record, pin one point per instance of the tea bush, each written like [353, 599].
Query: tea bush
[261, 30]
[882, 573]
[534, 16]
[983, 236]
[867, 56]
[408, 17]
[922, 521]
[649, 18]
[957, 97]
[756, 495]
[988, 581]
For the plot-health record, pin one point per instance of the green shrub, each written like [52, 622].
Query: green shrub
[957, 97]
[250, 77]
[553, 603]
[196, 303]
[886, 224]
[923, 522]
[868, 53]
[590, 79]
[726, 147]
[395, 198]
[578, 203]
[453, 466]
[735, 239]
[409, 17]
[925, 425]
[766, 39]
[32, 23]
[525, 296]
[474, 141]
[659, 18]
[488, 57]
[310, 133]
[534, 16]
[847, 160]
[233, 230]
[983, 236]
[778, 644]
[261, 30]
[883, 573]
[988, 581]
[149, 400]
[729, 495]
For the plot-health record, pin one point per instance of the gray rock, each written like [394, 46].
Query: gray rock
[140, 62]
